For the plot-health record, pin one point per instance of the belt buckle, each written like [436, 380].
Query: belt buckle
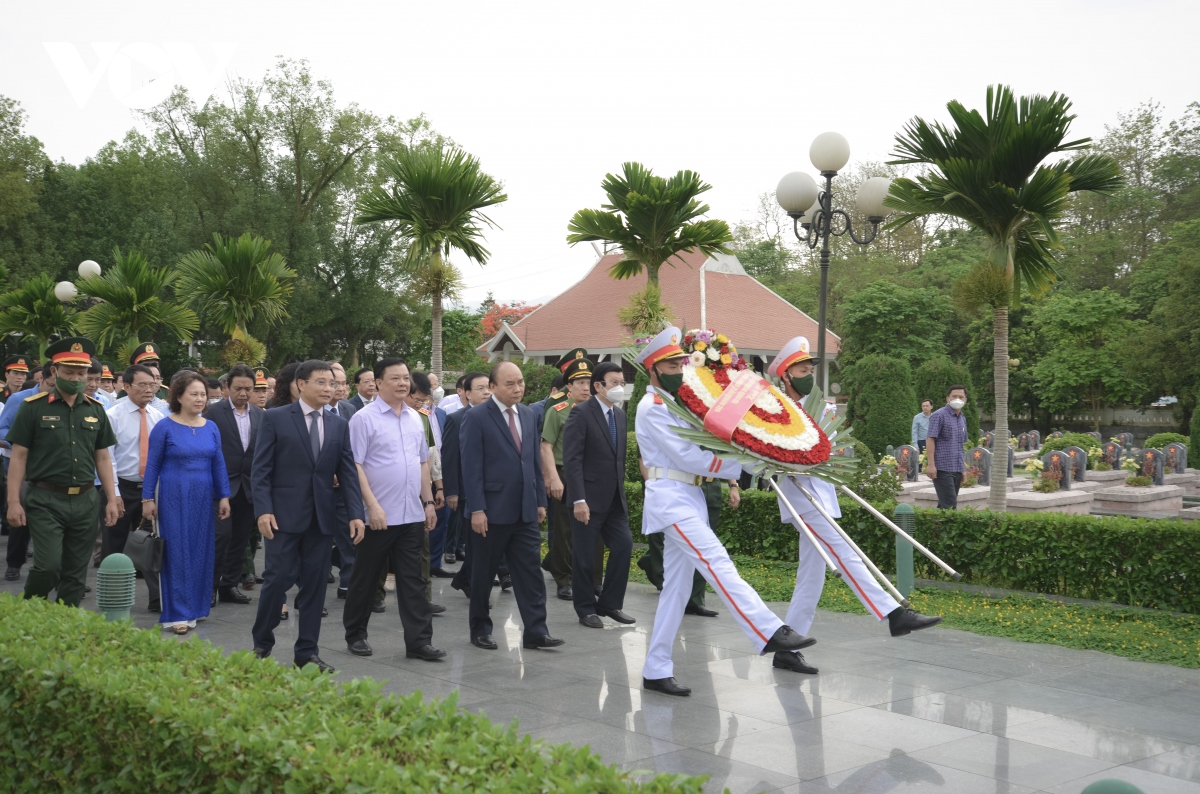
[73, 490]
[698, 479]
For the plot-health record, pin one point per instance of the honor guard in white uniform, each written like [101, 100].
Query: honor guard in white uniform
[675, 506]
[794, 367]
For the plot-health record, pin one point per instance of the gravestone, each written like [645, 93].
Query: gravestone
[1012, 457]
[1125, 439]
[1058, 463]
[1096, 435]
[908, 462]
[1111, 453]
[1078, 463]
[1056, 434]
[1023, 442]
[1176, 455]
[1035, 439]
[1151, 463]
[889, 450]
[986, 441]
[981, 459]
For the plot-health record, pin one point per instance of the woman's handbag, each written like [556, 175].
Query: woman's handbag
[145, 548]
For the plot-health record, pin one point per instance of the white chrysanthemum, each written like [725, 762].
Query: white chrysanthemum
[696, 359]
[712, 353]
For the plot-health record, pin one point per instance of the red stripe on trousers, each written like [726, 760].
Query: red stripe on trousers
[728, 597]
[842, 565]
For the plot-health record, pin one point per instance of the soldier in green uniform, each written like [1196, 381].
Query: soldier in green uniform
[60, 444]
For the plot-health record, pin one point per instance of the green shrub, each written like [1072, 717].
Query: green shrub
[882, 403]
[1139, 481]
[1081, 440]
[1160, 440]
[640, 382]
[87, 705]
[1194, 445]
[1134, 561]
[633, 472]
[935, 376]
[538, 378]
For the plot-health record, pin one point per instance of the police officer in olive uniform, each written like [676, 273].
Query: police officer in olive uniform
[16, 371]
[60, 444]
[146, 354]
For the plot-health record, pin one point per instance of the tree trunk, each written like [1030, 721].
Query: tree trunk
[998, 496]
[435, 364]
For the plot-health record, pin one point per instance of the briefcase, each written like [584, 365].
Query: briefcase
[145, 548]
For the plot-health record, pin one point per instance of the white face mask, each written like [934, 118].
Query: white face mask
[957, 404]
[615, 394]
[438, 394]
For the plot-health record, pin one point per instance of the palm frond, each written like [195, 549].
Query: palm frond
[232, 281]
[132, 301]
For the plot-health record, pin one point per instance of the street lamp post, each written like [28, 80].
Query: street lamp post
[66, 291]
[812, 208]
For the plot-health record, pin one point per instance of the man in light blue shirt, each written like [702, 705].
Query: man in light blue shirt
[920, 425]
[18, 537]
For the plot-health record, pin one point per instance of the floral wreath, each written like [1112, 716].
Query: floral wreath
[707, 348]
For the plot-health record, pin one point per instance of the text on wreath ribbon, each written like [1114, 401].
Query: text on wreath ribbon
[733, 404]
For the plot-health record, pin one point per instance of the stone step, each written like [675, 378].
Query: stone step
[1128, 499]
[1073, 502]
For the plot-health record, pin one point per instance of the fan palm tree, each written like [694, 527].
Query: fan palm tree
[650, 219]
[233, 281]
[32, 310]
[131, 307]
[437, 197]
[989, 170]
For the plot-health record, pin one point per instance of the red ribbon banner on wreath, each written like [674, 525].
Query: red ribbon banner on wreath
[733, 404]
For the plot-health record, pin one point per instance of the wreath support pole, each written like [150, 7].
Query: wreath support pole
[803, 528]
[955, 575]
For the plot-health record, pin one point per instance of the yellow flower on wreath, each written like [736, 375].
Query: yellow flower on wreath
[722, 339]
[700, 346]
[726, 359]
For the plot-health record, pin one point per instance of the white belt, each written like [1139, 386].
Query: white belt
[660, 473]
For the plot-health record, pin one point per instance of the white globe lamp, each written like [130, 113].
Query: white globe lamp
[65, 291]
[796, 193]
[89, 269]
[871, 194]
[830, 151]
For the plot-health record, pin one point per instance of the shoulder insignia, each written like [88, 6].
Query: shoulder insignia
[95, 400]
[562, 405]
[554, 395]
[37, 396]
[423, 410]
[658, 400]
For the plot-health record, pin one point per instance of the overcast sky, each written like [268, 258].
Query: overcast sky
[551, 96]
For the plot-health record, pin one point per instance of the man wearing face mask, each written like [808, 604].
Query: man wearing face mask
[794, 367]
[675, 506]
[944, 447]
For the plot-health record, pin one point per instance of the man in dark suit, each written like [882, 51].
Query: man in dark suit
[364, 387]
[594, 439]
[237, 421]
[299, 451]
[506, 499]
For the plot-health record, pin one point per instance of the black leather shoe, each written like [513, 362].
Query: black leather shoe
[154, 606]
[230, 595]
[360, 648]
[449, 559]
[436, 609]
[343, 592]
[377, 607]
[248, 582]
[703, 612]
[258, 579]
[12, 574]
[322, 666]
[786, 660]
[566, 593]
[427, 653]
[460, 556]
[542, 643]
[214, 600]
[441, 573]
[88, 589]
[262, 653]
[324, 612]
[616, 615]
[329, 579]
[591, 621]
[484, 641]
[505, 583]
[283, 616]
[784, 639]
[668, 686]
[903, 621]
[464, 589]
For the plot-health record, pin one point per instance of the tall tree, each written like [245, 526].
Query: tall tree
[35, 313]
[436, 197]
[990, 170]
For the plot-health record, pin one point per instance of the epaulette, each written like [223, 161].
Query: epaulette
[658, 399]
[37, 396]
[554, 395]
[423, 410]
[96, 400]
[561, 405]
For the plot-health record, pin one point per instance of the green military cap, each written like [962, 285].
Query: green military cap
[77, 350]
[18, 364]
[578, 368]
[568, 357]
[145, 353]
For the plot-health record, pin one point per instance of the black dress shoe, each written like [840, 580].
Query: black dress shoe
[616, 615]
[542, 643]
[12, 574]
[427, 653]
[154, 606]
[137, 574]
[784, 639]
[703, 612]
[903, 621]
[668, 686]
[436, 609]
[329, 579]
[460, 556]
[88, 589]
[258, 579]
[214, 600]
[591, 621]
[283, 616]
[505, 583]
[230, 595]
[248, 582]
[484, 641]
[322, 666]
[441, 573]
[343, 592]
[377, 607]
[449, 559]
[262, 653]
[464, 589]
[786, 660]
[360, 648]
[324, 612]
[566, 593]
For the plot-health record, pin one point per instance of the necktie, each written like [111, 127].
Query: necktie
[143, 443]
[314, 434]
[512, 427]
[612, 427]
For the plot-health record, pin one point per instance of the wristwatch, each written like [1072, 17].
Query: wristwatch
[427, 504]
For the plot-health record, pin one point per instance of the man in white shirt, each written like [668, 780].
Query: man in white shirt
[132, 417]
[458, 400]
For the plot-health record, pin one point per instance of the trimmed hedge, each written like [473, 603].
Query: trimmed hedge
[934, 377]
[1134, 561]
[1194, 446]
[1081, 440]
[87, 705]
[1160, 440]
[882, 401]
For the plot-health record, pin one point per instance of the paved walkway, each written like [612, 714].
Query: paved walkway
[941, 710]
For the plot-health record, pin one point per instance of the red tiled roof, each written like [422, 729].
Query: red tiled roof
[585, 315]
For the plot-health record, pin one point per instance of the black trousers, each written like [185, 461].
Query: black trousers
[18, 537]
[611, 526]
[294, 558]
[522, 544]
[400, 546]
[232, 535]
[113, 538]
[946, 485]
